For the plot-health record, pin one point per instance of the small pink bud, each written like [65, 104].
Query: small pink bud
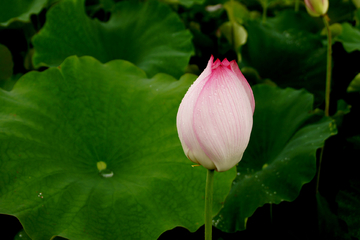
[215, 117]
[317, 8]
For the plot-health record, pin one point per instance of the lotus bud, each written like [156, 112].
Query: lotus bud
[215, 117]
[317, 8]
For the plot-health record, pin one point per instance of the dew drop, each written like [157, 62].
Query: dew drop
[106, 173]
[103, 171]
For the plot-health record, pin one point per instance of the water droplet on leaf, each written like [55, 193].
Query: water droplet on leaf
[106, 173]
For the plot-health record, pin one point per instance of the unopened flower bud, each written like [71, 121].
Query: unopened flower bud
[317, 8]
[215, 117]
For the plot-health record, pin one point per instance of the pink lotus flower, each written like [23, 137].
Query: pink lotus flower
[215, 117]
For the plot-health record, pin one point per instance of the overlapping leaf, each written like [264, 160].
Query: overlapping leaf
[286, 51]
[6, 63]
[349, 37]
[280, 157]
[19, 10]
[58, 126]
[147, 34]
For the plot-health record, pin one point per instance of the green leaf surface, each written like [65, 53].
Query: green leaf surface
[280, 157]
[349, 37]
[11, 10]
[22, 235]
[60, 126]
[284, 51]
[147, 34]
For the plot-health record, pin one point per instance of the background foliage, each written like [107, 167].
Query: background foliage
[89, 91]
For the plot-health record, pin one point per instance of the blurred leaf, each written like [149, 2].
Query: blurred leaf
[355, 84]
[57, 126]
[234, 33]
[328, 223]
[6, 63]
[349, 37]
[357, 18]
[281, 155]
[349, 207]
[186, 3]
[9, 83]
[356, 3]
[335, 30]
[147, 34]
[296, 21]
[21, 10]
[107, 4]
[237, 12]
[342, 109]
[288, 56]
[341, 11]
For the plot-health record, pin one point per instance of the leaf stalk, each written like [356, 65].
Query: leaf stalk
[208, 204]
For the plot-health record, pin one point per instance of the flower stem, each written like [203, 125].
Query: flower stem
[328, 66]
[297, 3]
[265, 5]
[208, 204]
[327, 90]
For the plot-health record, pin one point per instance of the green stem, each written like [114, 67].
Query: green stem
[208, 204]
[328, 66]
[297, 4]
[232, 20]
[264, 11]
[327, 90]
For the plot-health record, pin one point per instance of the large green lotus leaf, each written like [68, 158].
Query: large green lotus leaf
[280, 157]
[11, 10]
[290, 56]
[59, 127]
[147, 34]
